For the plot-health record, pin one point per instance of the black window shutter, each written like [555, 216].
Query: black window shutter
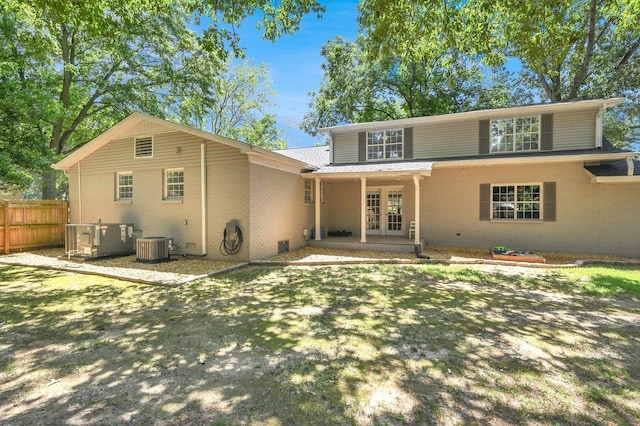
[549, 197]
[484, 137]
[408, 142]
[546, 132]
[485, 201]
[362, 146]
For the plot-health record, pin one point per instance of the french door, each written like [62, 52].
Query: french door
[384, 211]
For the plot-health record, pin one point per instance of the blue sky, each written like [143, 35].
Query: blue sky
[294, 62]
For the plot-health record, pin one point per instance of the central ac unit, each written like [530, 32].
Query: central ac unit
[94, 240]
[153, 249]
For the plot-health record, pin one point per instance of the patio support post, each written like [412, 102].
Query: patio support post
[363, 209]
[416, 184]
[318, 236]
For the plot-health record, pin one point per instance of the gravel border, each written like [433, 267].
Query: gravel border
[145, 276]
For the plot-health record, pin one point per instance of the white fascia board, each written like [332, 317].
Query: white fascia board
[614, 179]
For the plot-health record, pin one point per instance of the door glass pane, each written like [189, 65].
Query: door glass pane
[394, 211]
[373, 210]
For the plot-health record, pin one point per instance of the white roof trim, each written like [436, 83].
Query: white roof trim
[475, 115]
[614, 179]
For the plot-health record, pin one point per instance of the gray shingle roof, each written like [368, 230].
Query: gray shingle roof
[317, 156]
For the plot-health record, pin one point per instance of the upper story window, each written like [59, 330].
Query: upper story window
[385, 145]
[143, 147]
[174, 184]
[124, 186]
[515, 134]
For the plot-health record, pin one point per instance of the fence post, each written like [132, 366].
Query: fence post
[5, 206]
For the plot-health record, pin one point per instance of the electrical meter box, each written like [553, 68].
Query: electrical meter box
[94, 240]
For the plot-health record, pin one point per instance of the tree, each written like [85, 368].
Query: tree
[234, 106]
[96, 61]
[569, 49]
[358, 86]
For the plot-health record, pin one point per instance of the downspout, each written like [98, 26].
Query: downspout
[203, 196]
[79, 194]
[599, 128]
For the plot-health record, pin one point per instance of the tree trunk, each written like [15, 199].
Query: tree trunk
[49, 187]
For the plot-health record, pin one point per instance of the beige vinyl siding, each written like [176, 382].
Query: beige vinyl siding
[345, 148]
[574, 130]
[119, 154]
[571, 131]
[277, 210]
[446, 140]
[590, 218]
[145, 128]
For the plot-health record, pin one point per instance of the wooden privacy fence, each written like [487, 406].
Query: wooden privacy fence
[28, 224]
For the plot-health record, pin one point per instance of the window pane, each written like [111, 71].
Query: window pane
[515, 134]
[382, 145]
[125, 186]
[175, 183]
[516, 201]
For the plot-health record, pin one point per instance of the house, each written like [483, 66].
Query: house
[175, 181]
[537, 177]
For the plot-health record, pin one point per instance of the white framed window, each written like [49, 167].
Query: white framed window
[516, 202]
[385, 145]
[174, 184]
[517, 134]
[124, 186]
[309, 191]
[143, 147]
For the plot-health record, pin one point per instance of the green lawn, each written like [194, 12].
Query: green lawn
[354, 345]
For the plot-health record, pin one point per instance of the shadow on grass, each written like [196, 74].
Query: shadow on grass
[349, 345]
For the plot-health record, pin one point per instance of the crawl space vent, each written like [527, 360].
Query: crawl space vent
[283, 246]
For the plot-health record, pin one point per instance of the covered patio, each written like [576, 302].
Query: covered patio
[377, 203]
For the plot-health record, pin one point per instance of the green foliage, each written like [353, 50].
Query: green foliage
[94, 62]
[360, 86]
[568, 49]
[234, 106]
